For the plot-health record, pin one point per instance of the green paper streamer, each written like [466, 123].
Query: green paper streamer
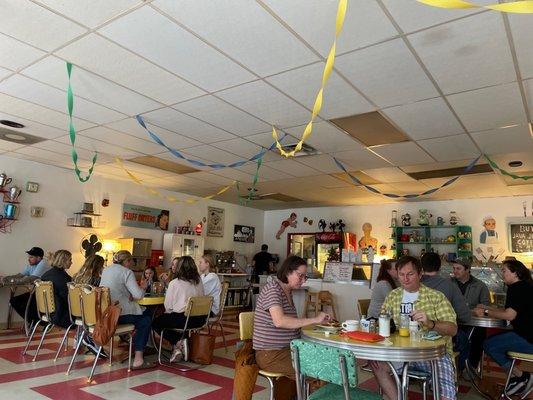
[72, 132]
[504, 172]
[245, 200]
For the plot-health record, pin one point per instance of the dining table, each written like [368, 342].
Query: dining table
[152, 300]
[13, 288]
[391, 350]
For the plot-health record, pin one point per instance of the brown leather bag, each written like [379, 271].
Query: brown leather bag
[106, 322]
[202, 348]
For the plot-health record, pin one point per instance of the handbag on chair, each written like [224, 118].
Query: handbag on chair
[106, 322]
[202, 348]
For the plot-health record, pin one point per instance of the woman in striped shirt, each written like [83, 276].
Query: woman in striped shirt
[276, 323]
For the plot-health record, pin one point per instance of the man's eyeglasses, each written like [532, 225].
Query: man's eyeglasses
[301, 276]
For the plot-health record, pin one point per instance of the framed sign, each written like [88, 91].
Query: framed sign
[215, 222]
[337, 271]
[521, 236]
[144, 217]
[244, 234]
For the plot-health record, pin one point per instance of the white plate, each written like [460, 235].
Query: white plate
[329, 328]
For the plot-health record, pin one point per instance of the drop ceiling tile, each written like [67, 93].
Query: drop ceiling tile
[425, 119]
[183, 124]
[466, 54]
[213, 154]
[322, 162]
[404, 153]
[359, 159]
[439, 165]
[388, 175]
[240, 147]
[33, 24]
[34, 112]
[266, 103]
[223, 115]
[489, 108]
[66, 149]
[52, 71]
[15, 54]
[209, 177]
[451, 148]
[150, 34]
[330, 182]
[116, 170]
[232, 173]
[90, 13]
[412, 15]
[412, 187]
[44, 154]
[251, 36]
[528, 87]
[115, 137]
[314, 20]
[387, 73]
[86, 143]
[171, 157]
[522, 30]
[503, 160]
[265, 172]
[509, 140]
[4, 72]
[9, 146]
[171, 139]
[266, 140]
[119, 65]
[292, 167]
[54, 161]
[39, 93]
[327, 138]
[339, 98]
[34, 128]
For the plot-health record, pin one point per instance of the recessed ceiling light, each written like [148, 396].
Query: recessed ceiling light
[11, 124]
[515, 164]
[14, 136]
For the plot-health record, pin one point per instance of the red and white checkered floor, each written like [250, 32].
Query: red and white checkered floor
[22, 379]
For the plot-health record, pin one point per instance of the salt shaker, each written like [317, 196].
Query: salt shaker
[384, 324]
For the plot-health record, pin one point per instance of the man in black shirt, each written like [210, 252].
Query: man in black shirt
[262, 262]
[519, 311]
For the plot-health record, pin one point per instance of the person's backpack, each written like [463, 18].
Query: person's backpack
[106, 322]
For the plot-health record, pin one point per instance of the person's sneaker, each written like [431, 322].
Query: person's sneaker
[529, 384]
[519, 384]
[92, 347]
[176, 354]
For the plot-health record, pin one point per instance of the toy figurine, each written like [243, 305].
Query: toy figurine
[406, 219]
[332, 226]
[440, 221]
[291, 221]
[322, 225]
[424, 216]
[453, 218]
[341, 226]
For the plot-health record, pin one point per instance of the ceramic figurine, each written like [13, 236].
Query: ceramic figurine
[322, 225]
[394, 219]
[453, 218]
[440, 221]
[406, 219]
[332, 226]
[341, 226]
[424, 216]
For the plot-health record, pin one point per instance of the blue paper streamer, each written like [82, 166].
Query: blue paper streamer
[405, 196]
[199, 163]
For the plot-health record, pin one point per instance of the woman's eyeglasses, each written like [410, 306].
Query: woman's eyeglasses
[301, 276]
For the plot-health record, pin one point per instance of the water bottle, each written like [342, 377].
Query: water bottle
[384, 324]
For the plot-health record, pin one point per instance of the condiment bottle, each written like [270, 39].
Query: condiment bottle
[384, 324]
[365, 324]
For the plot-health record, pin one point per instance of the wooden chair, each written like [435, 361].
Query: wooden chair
[218, 318]
[311, 303]
[44, 296]
[316, 301]
[246, 330]
[362, 306]
[197, 306]
[88, 312]
[515, 356]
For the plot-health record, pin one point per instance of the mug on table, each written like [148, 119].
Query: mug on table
[350, 325]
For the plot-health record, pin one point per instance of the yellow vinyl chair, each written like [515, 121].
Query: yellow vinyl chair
[76, 317]
[246, 330]
[218, 318]
[197, 306]
[523, 358]
[88, 309]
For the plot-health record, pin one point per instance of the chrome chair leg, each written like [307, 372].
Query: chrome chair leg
[94, 364]
[271, 383]
[30, 339]
[111, 351]
[509, 374]
[78, 345]
[424, 389]
[62, 342]
[46, 329]
[129, 352]
[160, 349]
[223, 335]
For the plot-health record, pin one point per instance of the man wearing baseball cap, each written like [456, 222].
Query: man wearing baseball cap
[36, 267]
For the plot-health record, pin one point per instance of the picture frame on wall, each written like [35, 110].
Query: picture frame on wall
[243, 234]
[215, 222]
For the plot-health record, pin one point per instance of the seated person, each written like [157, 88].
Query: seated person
[276, 324]
[123, 288]
[37, 266]
[166, 277]
[211, 282]
[475, 292]
[61, 261]
[434, 312]
[186, 284]
[518, 309]
[385, 282]
[149, 277]
[90, 272]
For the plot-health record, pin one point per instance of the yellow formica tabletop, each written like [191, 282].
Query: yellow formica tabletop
[151, 300]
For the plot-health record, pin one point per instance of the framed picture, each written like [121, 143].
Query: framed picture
[144, 217]
[32, 187]
[243, 234]
[215, 222]
[297, 248]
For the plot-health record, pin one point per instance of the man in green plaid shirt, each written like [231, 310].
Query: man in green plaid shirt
[431, 310]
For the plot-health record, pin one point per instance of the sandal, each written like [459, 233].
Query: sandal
[144, 365]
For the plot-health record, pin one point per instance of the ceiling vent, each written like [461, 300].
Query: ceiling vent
[19, 137]
[306, 150]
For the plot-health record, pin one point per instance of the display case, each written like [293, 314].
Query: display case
[178, 245]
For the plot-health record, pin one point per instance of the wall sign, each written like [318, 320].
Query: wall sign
[521, 236]
[144, 217]
[244, 234]
[337, 271]
[215, 222]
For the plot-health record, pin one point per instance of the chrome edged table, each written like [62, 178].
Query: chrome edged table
[402, 349]
[155, 300]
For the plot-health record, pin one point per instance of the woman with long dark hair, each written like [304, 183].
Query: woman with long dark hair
[385, 282]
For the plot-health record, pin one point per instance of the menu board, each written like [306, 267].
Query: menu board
[521, 237]
[337, 271]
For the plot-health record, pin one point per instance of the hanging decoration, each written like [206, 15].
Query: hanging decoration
[199, 163]
[519, 7]
[72, 132]
[404, 196]
[246, 199]
[504, 172]
[328, 68]
[171, 199]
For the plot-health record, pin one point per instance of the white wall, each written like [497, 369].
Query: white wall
[470, 212]
[61, 194]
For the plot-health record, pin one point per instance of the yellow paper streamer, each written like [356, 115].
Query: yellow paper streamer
[519, 7]
[172, 199]
[328, 68]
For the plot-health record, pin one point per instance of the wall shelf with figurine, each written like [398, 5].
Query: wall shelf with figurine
[11, 205]
[86, 218]
[451, 240]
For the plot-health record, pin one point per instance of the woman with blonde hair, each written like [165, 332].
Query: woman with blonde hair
[91, 271]
[61, 261]
[123, 288]
[211, 282]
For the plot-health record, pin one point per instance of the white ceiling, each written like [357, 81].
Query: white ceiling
[211, 78]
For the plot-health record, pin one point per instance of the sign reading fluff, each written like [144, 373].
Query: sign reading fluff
[144, 217]
[215, 222]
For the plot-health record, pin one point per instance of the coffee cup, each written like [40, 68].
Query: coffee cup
[350, 325]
